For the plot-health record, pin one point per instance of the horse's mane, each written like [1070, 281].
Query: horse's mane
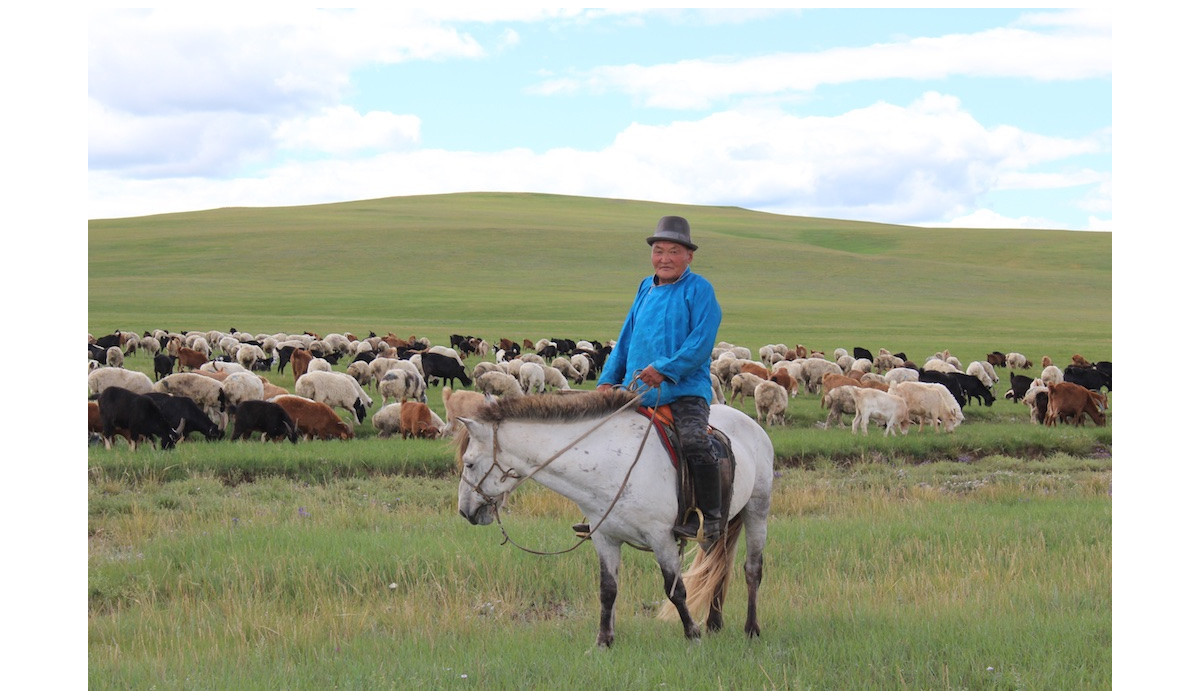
[557, 407]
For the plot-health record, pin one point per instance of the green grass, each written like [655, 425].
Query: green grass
[531, 266]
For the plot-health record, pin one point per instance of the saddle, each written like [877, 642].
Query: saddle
[664, 423]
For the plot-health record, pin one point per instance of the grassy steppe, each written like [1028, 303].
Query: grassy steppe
[980, 560]
[532, 266]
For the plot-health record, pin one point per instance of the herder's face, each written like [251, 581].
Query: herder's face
[669, 260]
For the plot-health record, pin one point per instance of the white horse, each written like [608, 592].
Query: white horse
[592, 448]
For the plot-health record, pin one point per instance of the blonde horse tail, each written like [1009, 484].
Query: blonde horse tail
[708, 575]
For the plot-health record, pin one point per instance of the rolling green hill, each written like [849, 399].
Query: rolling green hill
[532, 266]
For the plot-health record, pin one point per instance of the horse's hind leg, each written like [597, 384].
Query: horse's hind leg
[756, 539]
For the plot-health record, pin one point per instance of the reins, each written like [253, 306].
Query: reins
[507, 473]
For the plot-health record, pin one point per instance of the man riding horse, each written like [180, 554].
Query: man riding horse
[666, 346]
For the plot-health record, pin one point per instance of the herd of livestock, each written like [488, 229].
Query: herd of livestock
[203, 380]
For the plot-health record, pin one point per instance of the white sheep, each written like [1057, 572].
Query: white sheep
[320, 364]
[873, 404]
[983, 372]
[221, 366]
[533, 378]
[150, 345]
[583, 365]
[499, 384]
[936, 364]
[248, 354]
[811, 370]
[400, 384]
[113, 357]
[361, 371]
[382, 365]
[242, 386]
[901, 374]
[929, 402]
[1052, 374]
[208, 393]
[742, 385]
[555, 379]
[1015, 360]
[387, 419]
[840, 402]
[770, 403]
[482, 367]
[862, 364]
[104, 377]
[335, 390]
[566, 367]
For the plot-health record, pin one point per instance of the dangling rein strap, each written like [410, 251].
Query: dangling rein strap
[662, 419]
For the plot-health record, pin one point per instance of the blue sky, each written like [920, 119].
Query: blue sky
[966, 117]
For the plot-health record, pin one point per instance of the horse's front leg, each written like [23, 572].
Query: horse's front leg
[610, 564]
[668, 562]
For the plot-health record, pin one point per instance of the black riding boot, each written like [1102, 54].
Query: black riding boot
[706, 483]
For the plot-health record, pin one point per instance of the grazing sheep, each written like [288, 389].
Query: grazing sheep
[248, 354]
[812, 370]
[743, 385]
[463, 403]
[134, 416]
[270, 391]
[361, 372]
[935, 364]
[387, 419]
[1051, 374]
[839, 400]
[313, 419]
[400, 384]
[533, 378]
[113, 357]
[241, 386]
[320, 364]
[1037, 399]
[1015, 360]
[499, 384]
[263, 416]
[770, 403]
[416, 421]
[1068, 401]
[901, 374]
[217, 366]
[582, 362]
[929, 402]
[382, 365]
[555, 379]
[873, 404]
[983, 372]
[564, 365]
[208, 393]
[104, 377]
[336, 390]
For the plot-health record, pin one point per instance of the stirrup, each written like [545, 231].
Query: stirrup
[582, 530]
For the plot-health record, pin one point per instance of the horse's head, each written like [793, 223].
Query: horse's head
[483, 484]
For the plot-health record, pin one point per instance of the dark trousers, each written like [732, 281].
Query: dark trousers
[691, 421]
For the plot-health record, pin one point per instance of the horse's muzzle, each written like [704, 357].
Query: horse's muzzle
[483, 515]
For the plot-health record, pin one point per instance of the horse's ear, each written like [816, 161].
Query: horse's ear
[474, 428]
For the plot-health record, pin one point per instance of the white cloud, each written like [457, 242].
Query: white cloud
[927, 162]
[341, 130]
[1004, 52]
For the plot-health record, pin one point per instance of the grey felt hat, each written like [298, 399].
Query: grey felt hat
[673, 229]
